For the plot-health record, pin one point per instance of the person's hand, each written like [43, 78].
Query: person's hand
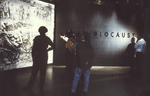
[61, 36]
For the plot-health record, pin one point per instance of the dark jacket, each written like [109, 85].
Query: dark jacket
[130, 51]
[85, 54]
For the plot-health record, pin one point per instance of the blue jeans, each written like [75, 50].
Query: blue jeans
[77, 76]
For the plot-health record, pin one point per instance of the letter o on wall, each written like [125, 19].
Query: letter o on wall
[106, 34]
[95, 33]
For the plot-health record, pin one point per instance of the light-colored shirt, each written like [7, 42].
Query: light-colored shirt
[140, 45]
[65, 38]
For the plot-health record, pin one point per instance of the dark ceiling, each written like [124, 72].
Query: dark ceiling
[104, 2]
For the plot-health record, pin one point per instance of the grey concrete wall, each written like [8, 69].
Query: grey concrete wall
[111, 28]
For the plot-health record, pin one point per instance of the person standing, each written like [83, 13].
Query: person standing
[130, 54]
[40, 56]
[140, 47]
[68, 38]
[85, 54]
[77, 38]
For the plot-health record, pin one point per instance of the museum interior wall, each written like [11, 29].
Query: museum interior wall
[110, 26]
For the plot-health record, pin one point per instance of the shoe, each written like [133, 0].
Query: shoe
[41, 87]
[84, 93]
[26, 88]
[72, 94]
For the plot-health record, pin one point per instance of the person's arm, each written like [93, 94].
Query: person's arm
[70, 44]
[92, 54]
[51, 44]
[64, 38]
[74, 46]
[144, 46]
[137, 44]
[127, 50]
[34, 48]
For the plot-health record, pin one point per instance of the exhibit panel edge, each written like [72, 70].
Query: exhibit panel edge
[18, 30]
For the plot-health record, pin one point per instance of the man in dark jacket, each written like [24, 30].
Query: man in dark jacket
[130, 52]
[85, 54]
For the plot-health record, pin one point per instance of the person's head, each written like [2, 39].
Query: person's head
[141, 36]
[85, 36]
[43, 30]
[132, 40]
[78, 37]
[69, 34]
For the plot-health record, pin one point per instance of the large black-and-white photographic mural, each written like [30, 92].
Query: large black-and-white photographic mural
[19, 23]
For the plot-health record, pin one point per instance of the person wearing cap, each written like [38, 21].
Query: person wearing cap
[40, 56]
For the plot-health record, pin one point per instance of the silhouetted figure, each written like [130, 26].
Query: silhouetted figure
[140, 47]
[130, 52]
[40, 56]
[85, 54]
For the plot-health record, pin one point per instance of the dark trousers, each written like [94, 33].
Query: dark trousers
[139, 62]
[131, 62]
[39, 63]
[141, 69]
[69, 62]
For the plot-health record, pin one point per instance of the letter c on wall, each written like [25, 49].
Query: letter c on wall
[112, 34]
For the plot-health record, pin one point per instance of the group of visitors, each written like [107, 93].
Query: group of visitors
[78, 44]
[135, 55]
[79, 55]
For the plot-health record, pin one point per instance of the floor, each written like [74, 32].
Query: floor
[104, 81]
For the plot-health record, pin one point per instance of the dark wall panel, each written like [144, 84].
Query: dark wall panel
[110, 30]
